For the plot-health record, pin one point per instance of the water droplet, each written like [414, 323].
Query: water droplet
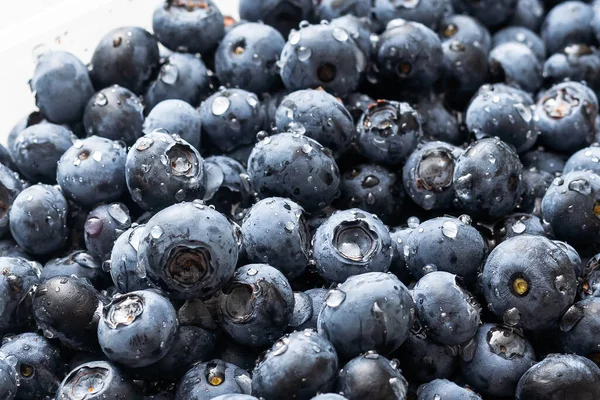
[252, 100]
[570, 318]
[97, 156]
[169, 74]
[119, 213]
[78, 144]
[304, 53]
[413, 222]
[335, 298]
[465, 219]
[518, 227]
[101, 100]
[582, 186]
[371, 199]
[289, 226]
[505, 343]
[220, 105]
[252, 271]
[144, 143]
[449, 229]
[429, 268]
[180, 195]
[156, 232]
[339, 34]
[306, 148]
[511, 317]
[280, 349]
[294, 37]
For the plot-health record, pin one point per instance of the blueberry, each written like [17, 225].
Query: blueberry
[92, 171]
[388, 132]
[372, 311]
[313, 300]
[444, 388]
[371, 376]
[10, 248]
[38, 148]
[351, 242]
[38, 364]
[231, 118]
[19, 276]
[528, 14]
[374, 189]
[423, 359]
[521, 35]
[399, 236]
[491, 13]
[427, 12]
[177, 117]
[410, 55]
[247, 58]
[497, 358]
[330, 9]
[256, 305]
[328, 396]
[359, 29]
[126, 273]
[138, 328]
[437, 121]
[194, 26]
[294, 166]
[428, 175]
[465, 29]
[126, 56]
[205, 381]
[303, 363]
[445, 244]
[79, 263]
[567, 107]
[33, 118]
[115, 113]
[283, 15]
[487, 178]
[576, 62]
[516, 64]
[228, 185]
[162, 170]
[62, 87]
[181, 77]
[318, 115]
[572, 207]
[518, 224]
[239, 355]
[103, 225]
[535, 185]
[189, 250]
[530, 276]
[97, 380]
[557, 375]
[579, 325]
[322, 55]
[544, 160]
[10, 187]
[38, 219]
[568, 23]
[9, 380]
[234, 397]
[274, 231]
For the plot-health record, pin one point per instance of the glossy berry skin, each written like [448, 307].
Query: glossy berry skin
[528, 14]
[518, 224]
[92, 171]
[487, 179]
[572, 206]
[318, 115]
[321, 55]
[491, 13]
[513, 278]
[579, 326]
[428, 175]
[398, 267]
[424, 360]
[182, 77]
[228, 186]
[355, 314]
[374, 189]
[521, 35]
[10, 187]
[176, 117]
[544, 160]
[516, 64]
[448, 244]
[97, 380]
[283, 15]
[448, 312]
[115, 113]
[371, 375]
[505, 116]
[410, 55]
[275, 232]
[126, 56]
[38, 364]
[9, 380]
[188, 27]
[294, 166]
[444, 387]
[351, 242]
[103, 225]
[316, 297]
[188, 250]
[231, 118]
[438, 123]
[497, 360]
[557, 374]
[535, 185]
[21, 276]
[62, 87]
[234, 397]
[163, 169]
[79, 263]
[359, 29]
[10, 248]
[562, 108]
[427, 12]
[126, 273]
[568, 23]
[330, 9]
[63, 296]
[37, 150]
[247, 57]
[206, 380]
[465, 29]
[388, 132]
[303, 363]
[138, 328]
[585, 159]
[256, 305]
[29, 223]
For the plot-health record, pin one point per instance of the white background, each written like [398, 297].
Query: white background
[71, 25]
